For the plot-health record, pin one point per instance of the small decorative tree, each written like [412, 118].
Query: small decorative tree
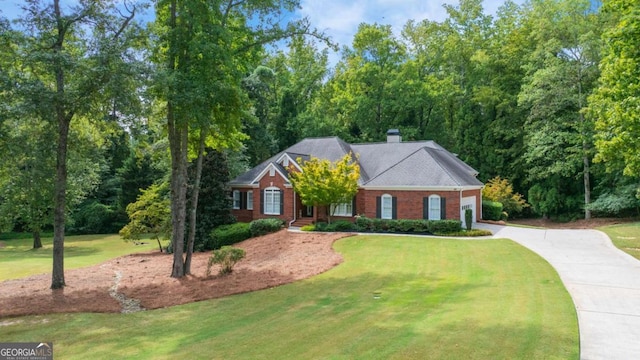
[500, 190]
[150, 214]
[468, 218]
[322, 183]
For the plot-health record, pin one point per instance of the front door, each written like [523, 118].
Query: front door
[307, 211]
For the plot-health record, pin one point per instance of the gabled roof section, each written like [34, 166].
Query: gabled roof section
[403, 164]
[276, 167]
[425, 167]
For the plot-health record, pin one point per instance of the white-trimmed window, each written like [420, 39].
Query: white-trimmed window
[272, 201]
[250, 200]
[386, 206]
[344, 209]
[237, 199]
[434, 208]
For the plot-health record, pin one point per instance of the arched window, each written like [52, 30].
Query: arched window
[271, 201]
[386, 206]
[434, 208]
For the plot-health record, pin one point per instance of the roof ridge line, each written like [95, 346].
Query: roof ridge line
[444, 168]
[396, 164]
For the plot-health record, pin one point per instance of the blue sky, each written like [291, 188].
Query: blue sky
[340, 18]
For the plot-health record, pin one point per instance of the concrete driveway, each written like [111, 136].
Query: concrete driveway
[603, 281]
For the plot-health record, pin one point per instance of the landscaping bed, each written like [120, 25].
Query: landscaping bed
[271, 260]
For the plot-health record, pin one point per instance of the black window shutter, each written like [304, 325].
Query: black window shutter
[443, 208]
[243, 200]
[425, 208]
[353, 207]
[281, 202]
[261, 201]
[378, 207]
[394, 207]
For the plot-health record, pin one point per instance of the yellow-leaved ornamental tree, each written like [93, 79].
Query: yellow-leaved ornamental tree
[500, 190]
[322, 183]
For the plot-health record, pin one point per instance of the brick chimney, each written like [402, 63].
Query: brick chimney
[393, 136]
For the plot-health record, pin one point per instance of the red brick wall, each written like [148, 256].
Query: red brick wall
[410, 203]
[276, 181]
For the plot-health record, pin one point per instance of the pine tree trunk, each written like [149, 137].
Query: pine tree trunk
[194, 205]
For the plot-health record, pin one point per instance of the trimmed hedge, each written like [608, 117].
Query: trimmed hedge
[229, 234]
[365, 224]
[265, 226]
[491, 210]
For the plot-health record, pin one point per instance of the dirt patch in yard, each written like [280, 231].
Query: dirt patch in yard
[141, 281]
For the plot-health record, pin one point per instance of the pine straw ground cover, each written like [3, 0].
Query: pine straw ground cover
[391, 298]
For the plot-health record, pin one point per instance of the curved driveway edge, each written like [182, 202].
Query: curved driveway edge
[603, 281]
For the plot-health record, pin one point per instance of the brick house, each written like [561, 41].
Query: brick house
[398, 180]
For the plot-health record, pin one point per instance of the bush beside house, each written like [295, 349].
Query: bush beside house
[234, 233]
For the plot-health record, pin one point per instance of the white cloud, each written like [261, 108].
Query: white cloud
[340, 18]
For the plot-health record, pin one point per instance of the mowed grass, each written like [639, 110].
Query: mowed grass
[19, 259]
[392, 298]
[625, 237]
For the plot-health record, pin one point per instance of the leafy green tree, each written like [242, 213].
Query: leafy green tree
[67, 55]
[614, 104]
[150, 214]
[214, 205]
[322, 183]
[203, 48]
[562, 73]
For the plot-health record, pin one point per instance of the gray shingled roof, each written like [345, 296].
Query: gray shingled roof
[404, 164]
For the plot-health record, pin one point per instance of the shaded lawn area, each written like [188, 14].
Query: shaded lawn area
[392, 298]
[18, 258]
[625, 237]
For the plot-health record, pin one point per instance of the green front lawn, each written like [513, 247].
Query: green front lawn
[19, 259]
[392, 298]
[625, 236]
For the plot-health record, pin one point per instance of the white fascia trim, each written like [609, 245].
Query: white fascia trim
[291, 161]
[263, 172]
[422, 188]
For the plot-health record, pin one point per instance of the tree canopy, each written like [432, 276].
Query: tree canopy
[320, 182]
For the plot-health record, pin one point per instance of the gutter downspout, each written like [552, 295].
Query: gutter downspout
[462, 217]
[294, 209]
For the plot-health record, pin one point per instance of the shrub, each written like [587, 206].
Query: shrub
[340, 225]
[405, 225]
[363, 223]
[468, 218]
[229, 234]
[500, 190]
[309, 227]
[440, 227]
[227, 257]
[321, 226]
[265, 226]
[491, 210]
[471, 233]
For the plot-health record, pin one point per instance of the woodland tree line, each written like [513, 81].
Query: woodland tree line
[97, 105]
